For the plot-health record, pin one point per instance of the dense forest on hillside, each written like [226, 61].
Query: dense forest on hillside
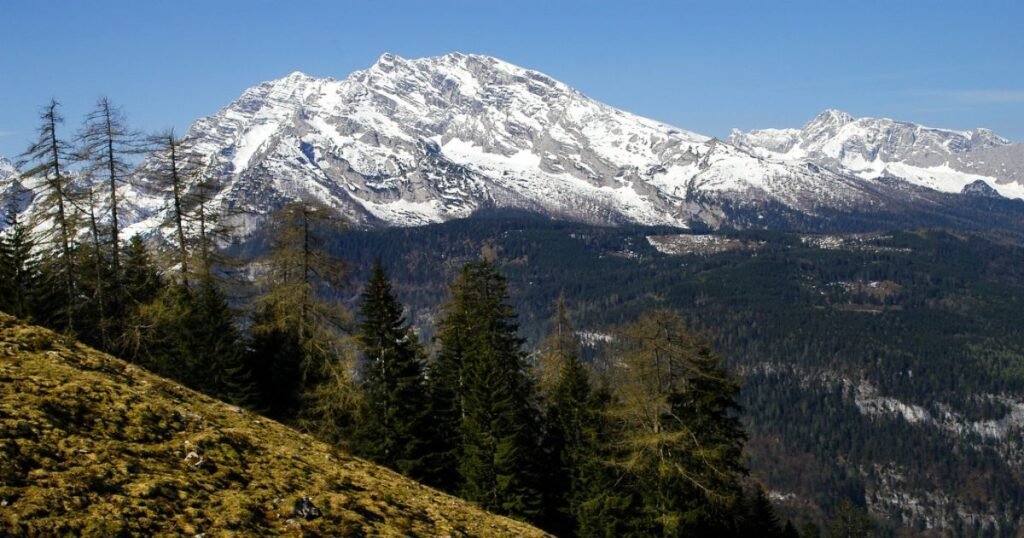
[928, 318]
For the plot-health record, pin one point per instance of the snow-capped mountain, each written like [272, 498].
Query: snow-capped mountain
[13, 195]
[409, 142]
[940, 159]
[7, 169]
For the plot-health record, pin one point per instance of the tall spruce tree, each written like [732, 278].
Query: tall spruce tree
[571, 424]
[20, 278]
[139, 275]
[141, 285]
[760, 517]
[218, 353]
[392, 429]
[480, 380]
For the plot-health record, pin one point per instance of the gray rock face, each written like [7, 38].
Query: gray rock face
[409, 142]
[981, 189]
[940, 159]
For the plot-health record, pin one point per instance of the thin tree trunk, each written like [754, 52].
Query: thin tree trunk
[176, 188]
[112, 164]
[65, 233]
[98, 253]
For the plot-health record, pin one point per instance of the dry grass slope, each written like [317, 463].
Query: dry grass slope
[93, 446]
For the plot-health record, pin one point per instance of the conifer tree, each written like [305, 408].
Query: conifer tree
[392, 428]
[139, 275]
[851, 521]
[44, 162]
[760, 517]
[680, 443]
[572, 423]
[480, 380]
[173, 169]
[304, 362]
[95, 280]
[218, 353]
[141, 285]
[105, 143]
[20, 278]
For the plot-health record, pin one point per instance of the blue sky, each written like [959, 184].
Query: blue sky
[705, 66]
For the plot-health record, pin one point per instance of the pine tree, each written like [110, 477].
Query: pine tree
[680, 443]
[140, 278]
[605, 502]
[851, 521]
[44, 162]
[482, 372]
[299, 331]
[173, 169]
[162, 337]
[95, 281]
[572, 423]
[759, 517]
[20, 278]
[141, 285]
[392, 429]
[219, 353]
[105, 142]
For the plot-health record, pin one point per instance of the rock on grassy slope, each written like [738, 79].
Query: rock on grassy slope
[91, 445]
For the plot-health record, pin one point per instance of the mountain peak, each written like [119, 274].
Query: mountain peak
[297, 75]
[7, 168]
[986, 137]
[387, 62]
[830, 117]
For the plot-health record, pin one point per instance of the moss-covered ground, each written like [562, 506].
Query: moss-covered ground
[93, 446]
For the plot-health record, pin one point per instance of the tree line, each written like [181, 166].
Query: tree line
[645, 440]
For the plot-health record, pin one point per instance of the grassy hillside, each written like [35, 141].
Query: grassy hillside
[93, 446]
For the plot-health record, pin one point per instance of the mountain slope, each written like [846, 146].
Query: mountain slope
[90, 445]
[409, 142]
[6, 168]
[13, 195]
[940, 159]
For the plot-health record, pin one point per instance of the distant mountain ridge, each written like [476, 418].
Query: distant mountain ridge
[940, 159]
[409, 142]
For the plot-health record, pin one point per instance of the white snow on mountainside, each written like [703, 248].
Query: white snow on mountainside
[410, 142]
[6, 168]
[940, 159]
[13, 195]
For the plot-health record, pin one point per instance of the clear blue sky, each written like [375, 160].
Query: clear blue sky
[705, 66]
